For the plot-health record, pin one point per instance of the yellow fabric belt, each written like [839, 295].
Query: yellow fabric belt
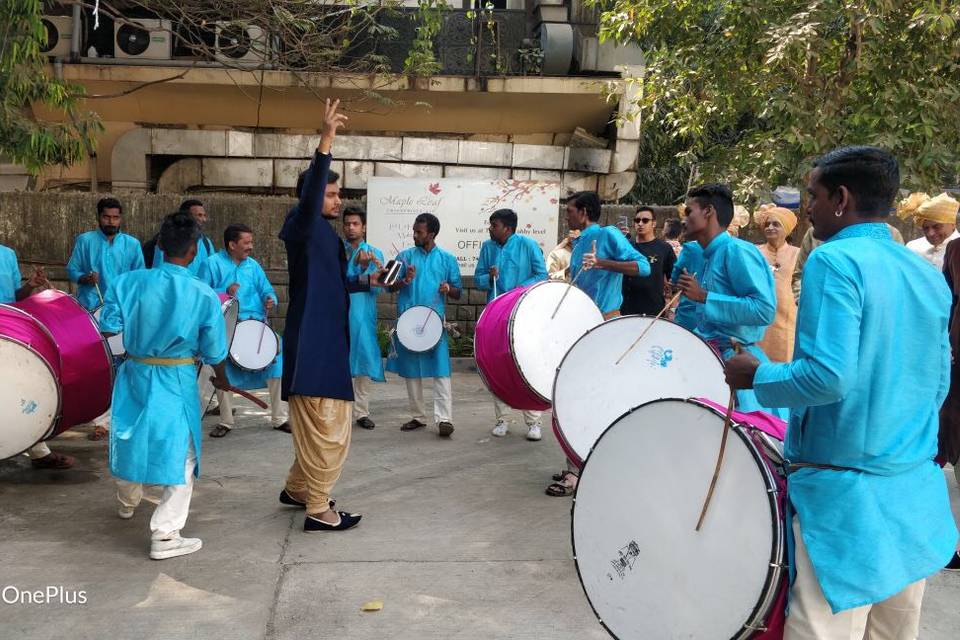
[163, 362]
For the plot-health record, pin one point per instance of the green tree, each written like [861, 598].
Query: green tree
[750, 91]
[26, 83]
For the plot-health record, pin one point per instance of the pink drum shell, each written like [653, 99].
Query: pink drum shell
[495, 359]
[22, 328]
[86, 364]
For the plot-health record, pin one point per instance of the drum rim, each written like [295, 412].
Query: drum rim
[565, 444]
[777, 557]
[56, 379]
[232, 302]
[230, 352]
[431, 347]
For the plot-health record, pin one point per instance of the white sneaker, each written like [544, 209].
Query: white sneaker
[533, 433]
[500, 429]
[125, 512]
[163, 549]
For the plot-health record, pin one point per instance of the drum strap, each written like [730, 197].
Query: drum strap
[163, 362]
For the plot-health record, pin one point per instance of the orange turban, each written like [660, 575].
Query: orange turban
[786, 218]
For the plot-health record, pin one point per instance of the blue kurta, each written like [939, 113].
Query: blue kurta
[163, 313]
[433, 269]
[605, 287]
[741, 303]
[9, 275]
[204, 251]
[691, 259]
[365, 357]
[519, 262]
[220, 271]
[94, 252]
[869, 373]
[316, 346]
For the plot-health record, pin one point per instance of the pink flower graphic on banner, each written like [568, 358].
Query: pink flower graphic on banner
[434, 188]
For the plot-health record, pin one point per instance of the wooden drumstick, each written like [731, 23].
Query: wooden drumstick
[567, 290]
[649, 326]
[240, 392]
[96, 285]
[728, 418]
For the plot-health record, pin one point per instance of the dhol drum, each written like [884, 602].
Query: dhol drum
[518, 345]
[115, 342]
[30, 394]
[86, 364]
[591, 390]
[231, 310]
[419, 329]
[255, 345]
[645, 570]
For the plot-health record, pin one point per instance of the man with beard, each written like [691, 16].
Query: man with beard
[204, 245]
[234, 272]
[509, 260]
[98, 258]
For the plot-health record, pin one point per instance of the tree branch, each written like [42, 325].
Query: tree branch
[142, 85]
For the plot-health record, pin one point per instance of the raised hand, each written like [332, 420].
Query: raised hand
[331, 122]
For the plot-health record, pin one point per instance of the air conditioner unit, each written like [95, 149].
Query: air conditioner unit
[556, 42]
[145, 39]
[59, 35]
[242, 44]
[596, 56]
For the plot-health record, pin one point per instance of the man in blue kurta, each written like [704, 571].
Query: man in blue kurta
[509, 260]
[735, 291]
[316, 348]
[204, 245]
[11, 290]
[602, 254]
[98, 258]
[366, 361]
[168, 319]
[691, 261]
[428, 275]
[869, 372]
[233, 271]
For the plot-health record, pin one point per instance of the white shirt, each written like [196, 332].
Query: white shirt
[932, 254]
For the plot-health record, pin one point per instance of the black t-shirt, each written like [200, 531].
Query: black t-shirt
[644, 295]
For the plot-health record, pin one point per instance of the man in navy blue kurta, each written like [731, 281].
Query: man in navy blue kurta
[316, 347]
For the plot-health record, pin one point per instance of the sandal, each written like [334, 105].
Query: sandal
[53, 461]
[219, 431]
[98, 433]
[560, 477]
[559, 490]
[285, 427]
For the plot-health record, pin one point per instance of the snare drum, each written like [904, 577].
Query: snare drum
[518, 345]
[115, 342]
[255, 345]
[30, 394]
[591, 390]
[645, 570]
[419, 329]
[86, 364]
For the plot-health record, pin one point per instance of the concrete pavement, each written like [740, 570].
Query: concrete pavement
[458, 540]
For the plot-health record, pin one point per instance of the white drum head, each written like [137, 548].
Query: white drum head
[115, 342]
[255, 345]
[591, 391]
[538, 343]
[29, 398]
[419, 328]
[646, 571]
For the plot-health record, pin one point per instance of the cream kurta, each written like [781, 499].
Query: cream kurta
[777, 342]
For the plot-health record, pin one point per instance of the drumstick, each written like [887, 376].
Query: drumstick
[423, 327]
[240, 392]
[649, 326]
[723, 447]
[99, 295]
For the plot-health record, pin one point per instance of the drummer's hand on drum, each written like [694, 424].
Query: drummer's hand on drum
[232, 289]
[38, 279]
[444, 288]
[740, 370]
[589, 260]
[691, 288]
[494, 273]
[91, 278]
[268, 303]
[411, 272]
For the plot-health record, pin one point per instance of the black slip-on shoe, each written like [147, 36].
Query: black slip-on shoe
[366, 423]
[347, 521]
[446, 429]
[954, 564]
[412, 425]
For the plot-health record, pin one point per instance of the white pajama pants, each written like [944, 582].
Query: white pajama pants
[361, 397]
[170, 516]
[39, 450]
[442, 399]
[810, 617]
[503, 411]
[278, 408]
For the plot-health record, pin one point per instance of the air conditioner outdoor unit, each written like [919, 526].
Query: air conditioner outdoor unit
[242, 44]
[607, 56]
[146, 39]
[59, 35]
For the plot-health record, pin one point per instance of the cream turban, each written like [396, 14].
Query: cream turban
[942, 209]
[786, 218]
[741, 217]
[909, 205]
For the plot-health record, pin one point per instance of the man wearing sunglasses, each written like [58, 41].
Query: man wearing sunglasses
[644, 295]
